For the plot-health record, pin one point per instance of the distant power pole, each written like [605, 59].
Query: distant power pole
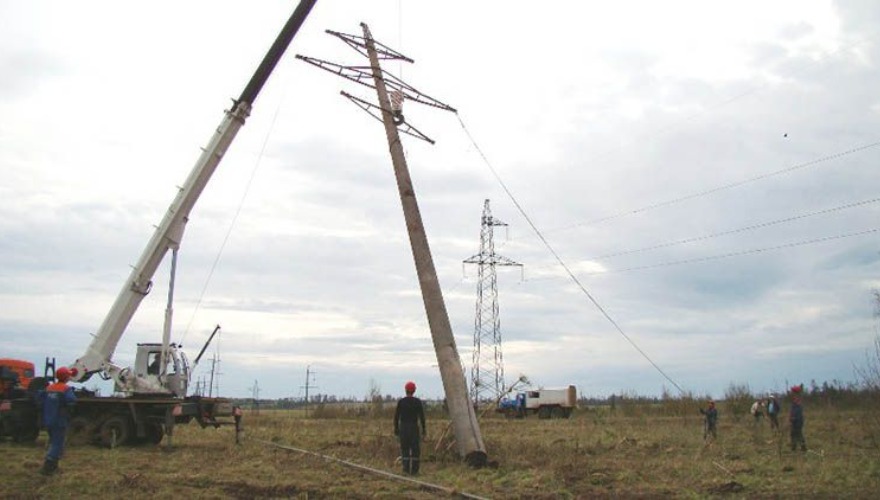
[487, 370]
[310, 375]
[255, 393]
[389, 112]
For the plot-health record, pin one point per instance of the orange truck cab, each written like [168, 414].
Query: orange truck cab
[15, 373]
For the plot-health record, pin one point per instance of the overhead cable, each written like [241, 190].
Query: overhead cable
[723, 187]
[561, 262]
[736, 254]
[734, 231]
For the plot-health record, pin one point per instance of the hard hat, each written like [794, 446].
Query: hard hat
[410, 387]
[62, 374]
[795, 388]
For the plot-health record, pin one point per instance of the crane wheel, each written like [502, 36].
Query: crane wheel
[115, 431]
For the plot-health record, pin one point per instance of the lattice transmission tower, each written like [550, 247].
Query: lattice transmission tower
[487, 369]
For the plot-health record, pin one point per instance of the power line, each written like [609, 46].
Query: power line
[561, 262]
[723, 187]
[755, 89]
[736, 254]
[673, 126]
[734, 231]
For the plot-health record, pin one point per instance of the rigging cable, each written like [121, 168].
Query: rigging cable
[234, 219]
[561, 262]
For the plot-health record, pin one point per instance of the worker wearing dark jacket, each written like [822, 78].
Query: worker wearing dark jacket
[709, 428]
[407, 416]
[56, 401]
[796, 419]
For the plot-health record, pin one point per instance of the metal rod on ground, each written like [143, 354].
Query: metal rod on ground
[722, 468]
[364, 468]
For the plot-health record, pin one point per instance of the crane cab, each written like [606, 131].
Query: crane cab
[152, 378]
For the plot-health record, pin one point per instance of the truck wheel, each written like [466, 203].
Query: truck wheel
[80, 432]
[115, 431]
[544, 412]
[155, 433]
[26, 433]
[558, 412]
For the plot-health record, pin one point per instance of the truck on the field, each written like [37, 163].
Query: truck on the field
[151, 396]
[18, 413]
[545, 403]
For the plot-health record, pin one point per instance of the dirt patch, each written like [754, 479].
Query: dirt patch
[242, 489]
[728, 487]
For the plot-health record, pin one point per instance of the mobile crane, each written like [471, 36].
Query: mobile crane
[154, 391]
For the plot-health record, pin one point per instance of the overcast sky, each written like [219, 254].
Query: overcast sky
[593, 114]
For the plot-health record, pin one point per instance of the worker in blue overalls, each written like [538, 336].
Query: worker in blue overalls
[56, 401]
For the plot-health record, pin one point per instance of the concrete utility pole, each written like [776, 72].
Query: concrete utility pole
[464, 420]
[467, 429]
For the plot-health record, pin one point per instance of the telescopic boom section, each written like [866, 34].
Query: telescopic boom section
[170, 232]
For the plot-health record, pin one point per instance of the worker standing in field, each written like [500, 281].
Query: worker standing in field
[709, 428]
[407, 417]
[56, 401]
[757, 411]
[796, 419]
[773, 411]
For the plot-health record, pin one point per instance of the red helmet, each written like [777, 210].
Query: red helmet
[795, 389]
[410, 387]
[62, 374]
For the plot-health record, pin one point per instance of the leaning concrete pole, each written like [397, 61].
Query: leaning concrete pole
[464, 419]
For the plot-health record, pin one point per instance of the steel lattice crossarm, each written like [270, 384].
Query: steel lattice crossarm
[367, 75]
[491, 260]
[364, 76]
[371, 108]
[359, 44]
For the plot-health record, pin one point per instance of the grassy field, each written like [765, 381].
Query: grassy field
[631, 452]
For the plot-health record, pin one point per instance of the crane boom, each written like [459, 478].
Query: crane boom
[169, 233]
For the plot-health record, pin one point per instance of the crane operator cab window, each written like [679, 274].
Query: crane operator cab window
[153, 367]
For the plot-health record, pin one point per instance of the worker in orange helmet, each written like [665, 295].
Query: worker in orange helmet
[407, 416]
[55, 402]
[796, 419]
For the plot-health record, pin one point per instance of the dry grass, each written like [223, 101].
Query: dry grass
[595, 454]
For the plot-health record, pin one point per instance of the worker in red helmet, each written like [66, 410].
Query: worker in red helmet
[710, 432]
[55, 402]
[796, 419]
[407, 416]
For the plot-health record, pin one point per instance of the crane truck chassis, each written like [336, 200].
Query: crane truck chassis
[106, 420]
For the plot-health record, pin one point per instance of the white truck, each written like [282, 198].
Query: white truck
[153, 393]
[546, 403]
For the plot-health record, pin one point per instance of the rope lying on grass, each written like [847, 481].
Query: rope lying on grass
[364, 468]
